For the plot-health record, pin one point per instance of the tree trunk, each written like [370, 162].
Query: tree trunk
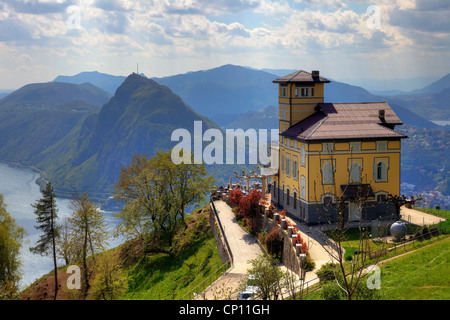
[54, 252]
[86, 271]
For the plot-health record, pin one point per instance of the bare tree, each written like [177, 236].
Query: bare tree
[398, 201]
[348, 273]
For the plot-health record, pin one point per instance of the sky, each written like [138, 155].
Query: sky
[379, 39]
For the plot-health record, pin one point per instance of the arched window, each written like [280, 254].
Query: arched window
[380, 172]
[288, 194]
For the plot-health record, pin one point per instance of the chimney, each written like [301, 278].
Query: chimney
[315, 73]
[381, 114]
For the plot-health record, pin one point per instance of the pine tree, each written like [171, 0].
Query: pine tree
[46, 211]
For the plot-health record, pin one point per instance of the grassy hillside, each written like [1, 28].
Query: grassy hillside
[162, 276]
[420, 275]
[193, 259]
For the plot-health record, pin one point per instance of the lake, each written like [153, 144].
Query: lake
[19, 188]
[441, 123]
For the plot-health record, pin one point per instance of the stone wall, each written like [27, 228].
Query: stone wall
[225, 256]
[289, 255]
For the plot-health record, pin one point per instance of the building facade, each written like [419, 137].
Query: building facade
[329, 150]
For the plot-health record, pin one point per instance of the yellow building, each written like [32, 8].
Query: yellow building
[328, 150]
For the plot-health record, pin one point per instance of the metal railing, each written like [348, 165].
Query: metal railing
[208, 281]
[222, 231]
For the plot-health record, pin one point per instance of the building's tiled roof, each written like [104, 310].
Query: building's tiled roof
[334, 121]
[301, 76]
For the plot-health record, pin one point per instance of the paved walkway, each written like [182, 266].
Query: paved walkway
[244, 248]
[243, 245]
[419, 217]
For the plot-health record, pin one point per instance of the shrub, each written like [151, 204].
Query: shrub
[310, 264]
[327, 272]
[235, 196]
[434, 231]
[331, 291]
[444, 227]
[249, 206]
[426, 232]
[274, 242]
[304, 247]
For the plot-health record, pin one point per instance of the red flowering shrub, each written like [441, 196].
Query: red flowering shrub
[274, 242]
[297, 239]
[304, 247]
[235, 196]
[249, 206]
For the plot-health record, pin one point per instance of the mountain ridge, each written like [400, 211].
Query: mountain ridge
[138, 119]
[230, 89]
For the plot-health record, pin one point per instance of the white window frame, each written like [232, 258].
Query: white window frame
[382, 145]
[352, 167]
[303, 187]
[327, 147]
[303, 156]
[355, 146]
[328, 168]
[385, 169]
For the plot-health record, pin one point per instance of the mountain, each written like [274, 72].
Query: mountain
[266, 118]
[36, 116]
[430, 102]
[435, 87]
[228, 89]
[336, 92]
[52, 94]
[107, 82]
[404, 85]
[138, 119]
[4, 93]
[339, 92]
[433, 106]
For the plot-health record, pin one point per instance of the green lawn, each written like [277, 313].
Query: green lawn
[194, 260]
[441, 213]
[351, 242]
[161, 276]
[420, 275]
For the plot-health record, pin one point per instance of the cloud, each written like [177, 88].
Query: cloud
[39, 7]
[432, 5]
[187, 34]
[425, 20]
[324, 3]
[113, 22]
[15, 30]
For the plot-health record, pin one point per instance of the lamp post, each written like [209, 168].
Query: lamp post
[302, 257]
